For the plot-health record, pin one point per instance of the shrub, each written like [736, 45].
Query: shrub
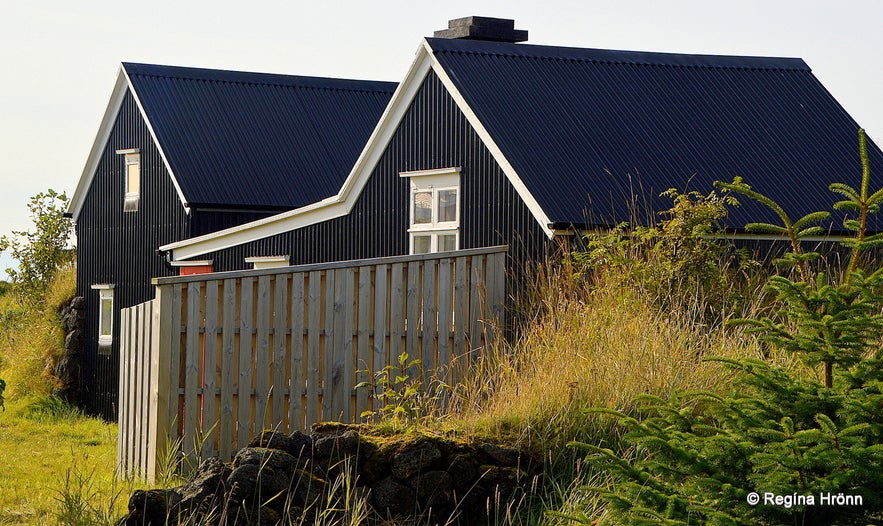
[681, 261]
[706, 458]
[41, 253]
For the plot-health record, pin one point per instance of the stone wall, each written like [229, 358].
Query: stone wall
[69, 369]
[295, 479]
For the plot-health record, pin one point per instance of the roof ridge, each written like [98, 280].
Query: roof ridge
[618, 57]
[257, 78]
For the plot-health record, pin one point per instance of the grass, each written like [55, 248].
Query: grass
[49, 451]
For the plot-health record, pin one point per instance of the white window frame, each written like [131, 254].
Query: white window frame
[433, 181]
[131, 197]
[105, 333]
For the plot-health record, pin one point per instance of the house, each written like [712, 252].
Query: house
[488, 141]
[183, 152]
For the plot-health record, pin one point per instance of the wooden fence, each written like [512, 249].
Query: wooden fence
[216, 358]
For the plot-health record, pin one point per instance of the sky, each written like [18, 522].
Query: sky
[60, 59]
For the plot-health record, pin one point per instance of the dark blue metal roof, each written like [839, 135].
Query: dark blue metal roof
[588, 130]
[254, 140]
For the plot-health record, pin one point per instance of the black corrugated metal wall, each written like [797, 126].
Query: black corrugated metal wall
[119, 248]
[432, 134]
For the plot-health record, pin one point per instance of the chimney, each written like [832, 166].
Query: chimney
[483, 28]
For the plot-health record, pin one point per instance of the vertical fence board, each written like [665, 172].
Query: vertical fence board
[347, 348]
[444, 318]
[125, 454]
[176, 396]
[476, 310]
[209, 371]
[461, 315]
[363, 336]
[192, 372]
[228, 363]
[244, 415]
[280, 328]
[313, 344]
[397, 307]
[262, 354]
[380, 345]
[412, 311]
[296, 381]
[428, 317]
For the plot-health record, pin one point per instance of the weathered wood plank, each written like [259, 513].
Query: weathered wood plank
[159, 390]
[314, 347]
[380, 342]
[125, 448]
[193, 373]
[363, 335]
[461, 317]
[296, 385]
[445, 286]
[477, 312]
[429, 318]
[398, 305]
[228, 364]
[244, 416]
[176, 382]
[210, 371]
[348, 351]
[280, 358]
[262, 355]
[412, 311]
[328, 349]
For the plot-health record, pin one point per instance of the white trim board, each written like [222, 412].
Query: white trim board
[342, 203]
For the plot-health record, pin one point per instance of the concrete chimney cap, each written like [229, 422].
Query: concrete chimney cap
[483, 28]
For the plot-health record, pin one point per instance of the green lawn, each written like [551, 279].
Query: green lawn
[48, 459]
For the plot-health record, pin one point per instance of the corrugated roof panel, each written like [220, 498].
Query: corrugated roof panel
[587, 130]
[253, 140]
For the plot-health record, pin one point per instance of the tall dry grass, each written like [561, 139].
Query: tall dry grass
[592, 343]
[32, 339]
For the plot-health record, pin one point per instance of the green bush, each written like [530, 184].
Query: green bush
[680, 261]
[702, 458]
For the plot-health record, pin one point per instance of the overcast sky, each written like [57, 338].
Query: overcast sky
[60, 58]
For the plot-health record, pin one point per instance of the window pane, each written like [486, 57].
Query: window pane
[447, 242]
[447, 205]
[422, 244]
[422, 207]
[106, 321]
[133, 176]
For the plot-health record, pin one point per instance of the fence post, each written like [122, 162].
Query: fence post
[161, 415]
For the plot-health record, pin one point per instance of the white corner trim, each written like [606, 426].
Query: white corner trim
[495, 150]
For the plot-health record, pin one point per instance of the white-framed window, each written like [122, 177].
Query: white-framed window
[434, 210]
[131, 179]
[105, 317]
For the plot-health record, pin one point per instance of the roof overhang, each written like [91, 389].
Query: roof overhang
[342, 203]
[122, 86]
